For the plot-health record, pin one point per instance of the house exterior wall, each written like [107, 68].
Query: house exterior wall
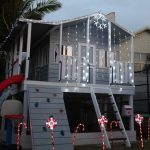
[142, 51]
[142, 41]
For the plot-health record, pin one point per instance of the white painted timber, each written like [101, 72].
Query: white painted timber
[45, 101]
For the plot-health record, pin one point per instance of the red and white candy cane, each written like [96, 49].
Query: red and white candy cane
[111, 125]
[18, 135]
[51, 124]
[139, 119]
[102, 121]
[149, 129]
[80, 125]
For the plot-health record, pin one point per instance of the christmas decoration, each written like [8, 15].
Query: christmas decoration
[51, 124]
[18, 137]
[149, 129]
[111, 125]
[100, 21]
[76, 131]
[102, 121]
[139, 119]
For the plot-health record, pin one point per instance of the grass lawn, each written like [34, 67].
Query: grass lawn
[117, 146]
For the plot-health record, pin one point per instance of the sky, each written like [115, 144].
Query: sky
[130, 14]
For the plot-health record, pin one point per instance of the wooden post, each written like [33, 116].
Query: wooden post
[28, 50]
[60, 48]
[88, 46]
[131, 121]
[132, 50]
[20, 51]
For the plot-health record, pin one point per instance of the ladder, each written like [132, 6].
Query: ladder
[98, 113]
[117, 114]
[4, 95]
[118, 117]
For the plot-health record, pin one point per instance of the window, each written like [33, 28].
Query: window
[66, 50]
[137, 56]
[140, 60]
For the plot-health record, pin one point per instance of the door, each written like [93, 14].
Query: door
[87, 66]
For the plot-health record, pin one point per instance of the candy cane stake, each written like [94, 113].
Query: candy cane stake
[149, 129]
[18, 135]
[80, 125]
[102, 121]
[51, 124]
[139, 119]
[111, 126]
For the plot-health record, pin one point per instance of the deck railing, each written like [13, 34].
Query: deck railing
[121, 73]
[74, 69]
[77, 69]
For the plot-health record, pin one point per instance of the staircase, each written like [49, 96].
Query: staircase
[118, 117]
[117, 114]
[4, 95]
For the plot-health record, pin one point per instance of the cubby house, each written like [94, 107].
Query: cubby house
[74, 70]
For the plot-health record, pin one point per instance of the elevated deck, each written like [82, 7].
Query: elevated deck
[84, 88]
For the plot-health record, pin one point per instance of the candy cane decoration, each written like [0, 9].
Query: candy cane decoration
[102, 121]
[18, 135]
[80, 125]
[139, 119]
[149, 129]
[51, 124]
[111, 125]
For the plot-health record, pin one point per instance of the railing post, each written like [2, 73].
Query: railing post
[109, 49]
[28, 50]
[20, 51]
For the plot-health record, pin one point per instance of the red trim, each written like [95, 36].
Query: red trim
[11, 80]
[19, 116]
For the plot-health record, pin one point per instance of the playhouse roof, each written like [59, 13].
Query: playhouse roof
[20, 23]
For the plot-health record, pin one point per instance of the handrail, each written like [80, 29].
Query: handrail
[60, 71]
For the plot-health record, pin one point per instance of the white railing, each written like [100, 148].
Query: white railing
[121, 72]
[74, 68]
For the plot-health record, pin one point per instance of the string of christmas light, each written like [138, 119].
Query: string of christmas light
[80, 125]
[149, 129]
[139, 119]
[111, 126]
[102, 121]
[18, 134]
[51, 124]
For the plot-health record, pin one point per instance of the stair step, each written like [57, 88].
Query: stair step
[116, 129]
[117, 139]
[106, 103]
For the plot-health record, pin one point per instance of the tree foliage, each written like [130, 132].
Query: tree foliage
[11, 10]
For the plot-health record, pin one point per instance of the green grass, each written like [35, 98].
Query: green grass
[116, 146]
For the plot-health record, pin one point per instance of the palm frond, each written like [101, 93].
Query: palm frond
[42, 8]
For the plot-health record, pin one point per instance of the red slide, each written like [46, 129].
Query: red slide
[11, 80]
